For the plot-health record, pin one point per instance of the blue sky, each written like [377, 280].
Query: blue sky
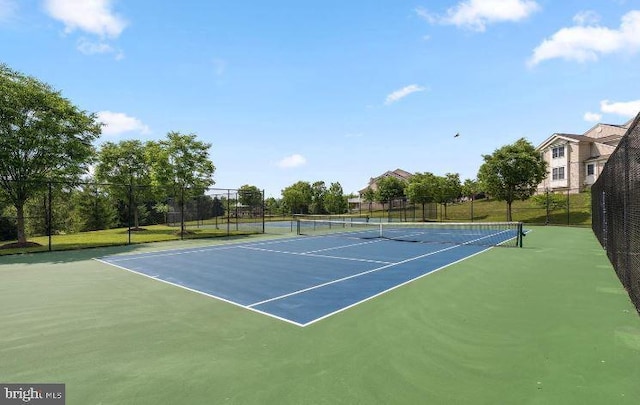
[337, 91]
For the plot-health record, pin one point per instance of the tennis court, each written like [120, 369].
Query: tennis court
[305, 279]
[549, 323]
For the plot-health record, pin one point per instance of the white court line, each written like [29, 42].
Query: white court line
[368, 271]
[392, 288]
[182, 251]
[200, 292]
[352, 276]
[346, 246]
[284, 252]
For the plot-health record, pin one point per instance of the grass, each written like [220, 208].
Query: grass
[546, 324]
[488, 210]
[120, 236]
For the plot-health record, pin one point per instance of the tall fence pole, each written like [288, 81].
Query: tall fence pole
[130, 211]
[264, 209]
[627, 216]
[181, 212]
[49, 216]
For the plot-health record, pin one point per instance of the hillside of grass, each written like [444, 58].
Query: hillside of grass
[576, 212]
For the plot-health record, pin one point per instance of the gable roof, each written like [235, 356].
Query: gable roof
[567, 137]
[398, 173]
[608, 134]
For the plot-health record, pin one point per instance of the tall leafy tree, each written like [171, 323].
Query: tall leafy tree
[470, 188]
[389, 189]
[422, 189]
[368, 196]
[43, 137]
[449, 190]
[335, 201]
[298, 197]
[512, 172]
[94, 208]
[250, 196]
[127, 168]
[180, 164]
[318, 194]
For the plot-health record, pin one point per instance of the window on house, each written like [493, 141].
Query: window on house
[591, 169]
[557, 173]
[557, 152]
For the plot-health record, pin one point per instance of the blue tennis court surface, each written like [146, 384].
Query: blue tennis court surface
[298, 280]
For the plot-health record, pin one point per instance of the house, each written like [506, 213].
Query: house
[575, 161]
[358, 203]
[398, 174]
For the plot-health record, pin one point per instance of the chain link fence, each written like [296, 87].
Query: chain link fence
[616, 210]
[64, 215]
[570, 207]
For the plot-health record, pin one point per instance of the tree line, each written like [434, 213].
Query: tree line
[512, 172]
[45, 140]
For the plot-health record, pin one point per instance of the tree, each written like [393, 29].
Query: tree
[273, 206]
[250, 196]
[449, 190]
[298, 197]
[94, 208]
[318, 194]
[470, 188]
[422, 189]
[389, 188]
[369, 196]
[127, 168]
[512, 172]
[43, 137]
[335, 202]
[181, 165]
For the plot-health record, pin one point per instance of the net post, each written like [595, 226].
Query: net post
[520, 234]
[298, 226]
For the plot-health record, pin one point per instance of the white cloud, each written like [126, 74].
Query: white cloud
[586, 43]
[8, 9]
[402, 93]
[91, 16]
[592, 117]
[587, 17]
[294, 160]
[119, 123]
[89, 47]
[626, 109]
[477, 14]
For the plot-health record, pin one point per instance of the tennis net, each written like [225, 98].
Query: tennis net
[474, 233]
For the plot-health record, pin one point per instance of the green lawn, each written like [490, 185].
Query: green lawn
[577, 213]
[120, 236]
[545, 324]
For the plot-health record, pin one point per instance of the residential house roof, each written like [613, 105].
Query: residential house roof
[398, 173]
[607, 134]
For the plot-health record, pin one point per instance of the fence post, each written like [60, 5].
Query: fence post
[568, 208]
[228, 212]
[181, 212]
[472, 198]
[546, 221]
[49, 216]
[627, 217]
[130, 210]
